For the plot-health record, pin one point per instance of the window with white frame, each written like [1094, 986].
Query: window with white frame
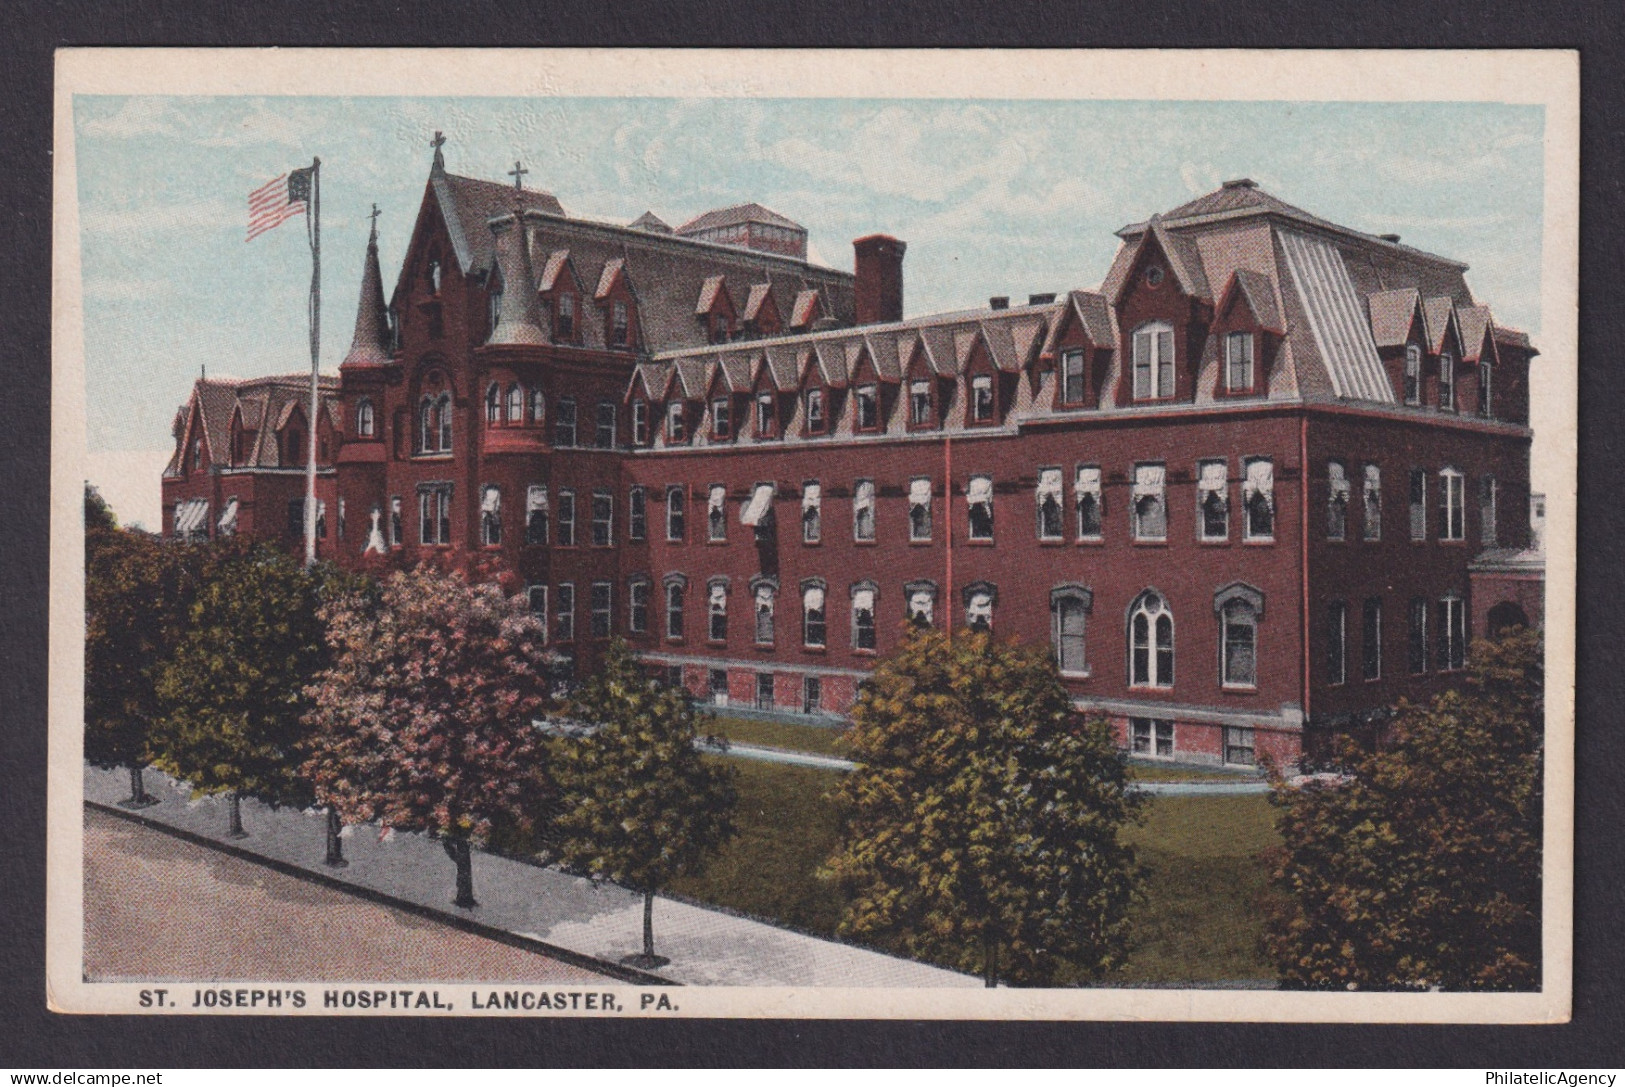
[1154, 361]
[434, 514]
[1452, 637]
[1337, 500]
[1371, 638]
[676, 430]
[813, 624]
[979, 507]
[863, 510]
[919, 403]
[567, 518]
[1419, 508]
[1258, 498]
[863, 615]
[1452, 514]
[1069, 608]
[1213, 500]
[1150, 502]
[981, 398]
[364, 423]
[536, 595]
[717, 611]
[640, 422]
[815, 411]
[1447, 382]
[919, 509]
[1050, 498]
[1372, 496]
[921, 602]
[604, 432]
[516, 404]
[716, 516]
[765, 415]
[1488, 533]
[637, 606]
[1151, 738]
[676, 514]
[491, 515]
[637, 514]
[602, 609]
[1337, 623]
[1086, 494]
[564, 422]
[676, 589]
[867, 398]
[979, 600]
[1413, 374]
[721, 417]
[1238, 649]
[538, 407]
[811, 512]
[603, 519]
[493, 404]
[564, 618]
[1418, 655]
[1151, 642]
[764, 599]
[1238, 362]
[1238, 746]
[1074, 385]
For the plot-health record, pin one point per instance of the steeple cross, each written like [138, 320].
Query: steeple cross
[439, 140]
[518, 174]
[374, 218]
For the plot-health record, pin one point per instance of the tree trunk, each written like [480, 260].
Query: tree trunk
[138, 790]
[648, 924]
[457, 849]
[335, 848]
[235, 805]
[990, 961]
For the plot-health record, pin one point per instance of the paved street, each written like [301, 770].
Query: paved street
[157, 907]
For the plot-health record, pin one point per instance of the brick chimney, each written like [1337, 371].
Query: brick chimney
[878, 270]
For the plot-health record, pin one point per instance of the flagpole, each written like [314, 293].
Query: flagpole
[315, 221]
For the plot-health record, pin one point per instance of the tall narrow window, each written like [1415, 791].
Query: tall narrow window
[1258, 498]
[637, 606]
[1068, 615]
[603, 519]
[765, 416]
[811, 515]
[564, 422]
[564, 619]
[1154, 362]
[674, 609]
[1373, 502]
[619, 324]
[602, 609]
[919, 509]
[493, 405]
[815, 411]
[764, 690]
[536, 514]
[1452, 514]
[396, 530]
[567, 518]
[604, 433]
[1150, 502]
[863, 510]
[1419, 504]
[1212, 499]
[676, 431]
[1371, 638]
[675, 514]
[1151, 643]
[443, 413]
[813, 626]
[538, 407]
[491, 515]
[1072, 377]
[1486, 388]
[919, 403]
[565, 326]
[1238, 358]
[1452, 635]
[637, 514]
[868, 407]
[764, 602]
[1239, 652]
[812, 694]
[716, 516]
[434, 509]
[1419, 636]
[1413, 374]
[981, 392]
[1086, 492]
[979, 608]
[717, 611]
[640, 422]
[428, 427]
[364, 425]
[516, 405]
[1337, 619]
[1050, 498]
[1447, 382]
[979, 507]
[537, 597]
[721, 418]
[1486, 512]
[863, 617]
[1337, 500]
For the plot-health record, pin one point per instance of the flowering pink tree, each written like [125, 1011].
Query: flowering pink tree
[424, 719]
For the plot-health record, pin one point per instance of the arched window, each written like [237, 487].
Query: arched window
[516, 405]
[538, 407]
[813, 626]
[1151, 642]
[1213, 500]
[493, 404]
[1069, 606]
[428, 426]
[444, 411]
[919, 509]
[364, 424]
[763, 596]
[536, 514]
[980, 597]
[920, 602]
[1337, 500]
[717, 610]
[863, 615]
[676, 587]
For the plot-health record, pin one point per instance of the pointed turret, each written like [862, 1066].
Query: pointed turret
[519, 318]
[371, 345]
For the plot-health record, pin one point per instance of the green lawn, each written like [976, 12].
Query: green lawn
[1156, 771]
[1197, 923]
[818, 739]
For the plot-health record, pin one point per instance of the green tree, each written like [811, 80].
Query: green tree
[981, 827]
[1420, 867]
[424, 719]
[232, 692]
[639, 805]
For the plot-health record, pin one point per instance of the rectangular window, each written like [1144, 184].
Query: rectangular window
[717, 611]
[764, 690]
[814, 628]
[604, 434]
[566, 317]
[919, 403]
[637, 514]
[1086, 492]
[491, 515]
[764, 603]
[603, 519]
[1154, 363]
[1452, 513]
[564, 423]
[1258, 498]
[863, 510]
[640, 422]
[567, 518]
[1419, 507]
[1238, 746]
[979, 507]
[1447, 382]
[812, 694]
[1238, 357]
[919, 509]
[1337, 617]
[811, 513]
[716, 513]
[863, 619]
[637, 607]
[1150, 502]
[395, 528]
[721, 423]
[981, 389]
[1066, 634]
[815, 411]
[1486, 388]
[1371, 639]
[675, 511]
[868, 406]
[1418, 637]
[1373, 502]
[1486, 512]
[718, 685]
[1150, 738]
[564, 620]
[674, 610]
[1072, 377]
[1452, 636]
[1050, 498]
[1213, 499]
[434, 509]
[1413, 374]
[1239, 654]
[676, 431]
[619, 324]
[764, 415]
[537, 596]
[601, 609]
[1337, 500]
[674, 677]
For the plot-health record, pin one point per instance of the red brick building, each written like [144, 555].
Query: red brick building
[1241, 487]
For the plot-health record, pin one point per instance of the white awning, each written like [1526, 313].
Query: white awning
[1260, 480]
[190, 514]
[863, 600]
[719, 495]
[1148, 480]
[920, 603]
[491, 500]
[1373, 479]
[810, 496]
[535, 498]
[919, 386]
[1215, 477]
[1339, 480]
[228, 519]
[1088, 482]
[863, 498]
[764, 597]
[1049, 483]
[980, 491]
[813, 598]
[719, 595]
[761, 500]
[980, 606]
[919, 492]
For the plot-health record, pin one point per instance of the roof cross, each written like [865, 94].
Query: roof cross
[374, 217]
[518, 174]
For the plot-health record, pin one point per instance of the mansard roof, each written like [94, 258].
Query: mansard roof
[216, 401]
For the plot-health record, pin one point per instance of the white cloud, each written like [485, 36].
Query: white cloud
[136, 117]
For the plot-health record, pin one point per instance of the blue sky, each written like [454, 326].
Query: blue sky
[993, 197]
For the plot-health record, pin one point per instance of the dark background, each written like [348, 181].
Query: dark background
[32, 1037]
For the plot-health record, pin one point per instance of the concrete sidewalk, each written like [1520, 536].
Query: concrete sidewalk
[602, 923]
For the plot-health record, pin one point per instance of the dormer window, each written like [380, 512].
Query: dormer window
[640, 422]
[719, 328]
[494, 300]
[564, 322]
[919, 403]
[197, 452]
[675, 430]
[1447, 382]
[1154, 362]
[1238, 362]
[364, 424]
[1072, 377]
[868, 404]
[619, 323]
[1413, 374]
[815, 411]
[720, 421]
[981, 389]
[764, 415]
[1486, 402]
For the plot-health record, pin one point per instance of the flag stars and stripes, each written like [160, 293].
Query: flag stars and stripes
[277, 201]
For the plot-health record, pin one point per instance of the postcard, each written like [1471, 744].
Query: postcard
[827, 534]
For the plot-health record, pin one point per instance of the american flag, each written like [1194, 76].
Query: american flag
[278, 200]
